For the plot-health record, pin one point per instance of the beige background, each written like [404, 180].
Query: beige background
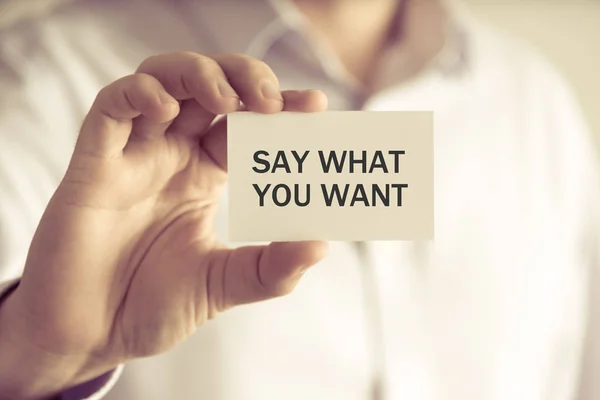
[564, 30]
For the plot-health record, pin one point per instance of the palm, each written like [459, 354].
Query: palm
[158, 200]
[167, 279]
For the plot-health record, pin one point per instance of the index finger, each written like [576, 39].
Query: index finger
[215, 140]
[193, 76]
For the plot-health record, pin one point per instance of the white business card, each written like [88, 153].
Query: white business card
[336, 175]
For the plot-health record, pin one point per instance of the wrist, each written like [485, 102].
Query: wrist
[28, 372]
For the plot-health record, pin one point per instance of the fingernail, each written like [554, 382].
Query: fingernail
[226, 90]
[270, 91]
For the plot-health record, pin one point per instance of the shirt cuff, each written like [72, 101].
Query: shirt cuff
[7, 287]
[95, 389]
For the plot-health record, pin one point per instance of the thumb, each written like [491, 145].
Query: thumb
[256, 273]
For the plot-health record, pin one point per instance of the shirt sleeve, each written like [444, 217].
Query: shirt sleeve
[589, 384]
[583, 171]
[95, 389]
[577, 169]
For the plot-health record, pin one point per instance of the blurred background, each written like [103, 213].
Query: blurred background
[565, 31]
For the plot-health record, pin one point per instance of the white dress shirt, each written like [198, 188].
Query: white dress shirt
[496, 308]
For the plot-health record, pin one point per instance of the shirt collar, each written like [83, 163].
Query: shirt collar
[239, 26]
[252, 27]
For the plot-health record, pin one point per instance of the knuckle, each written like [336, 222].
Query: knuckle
[187, 54]
[128, 93]
[106, 98]
[203, 66]
[104, 93]
[135, 81]
[250, 65]
[147, 63]
[140, 81]
[136, 89]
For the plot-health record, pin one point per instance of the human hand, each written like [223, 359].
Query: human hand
[125, 263]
